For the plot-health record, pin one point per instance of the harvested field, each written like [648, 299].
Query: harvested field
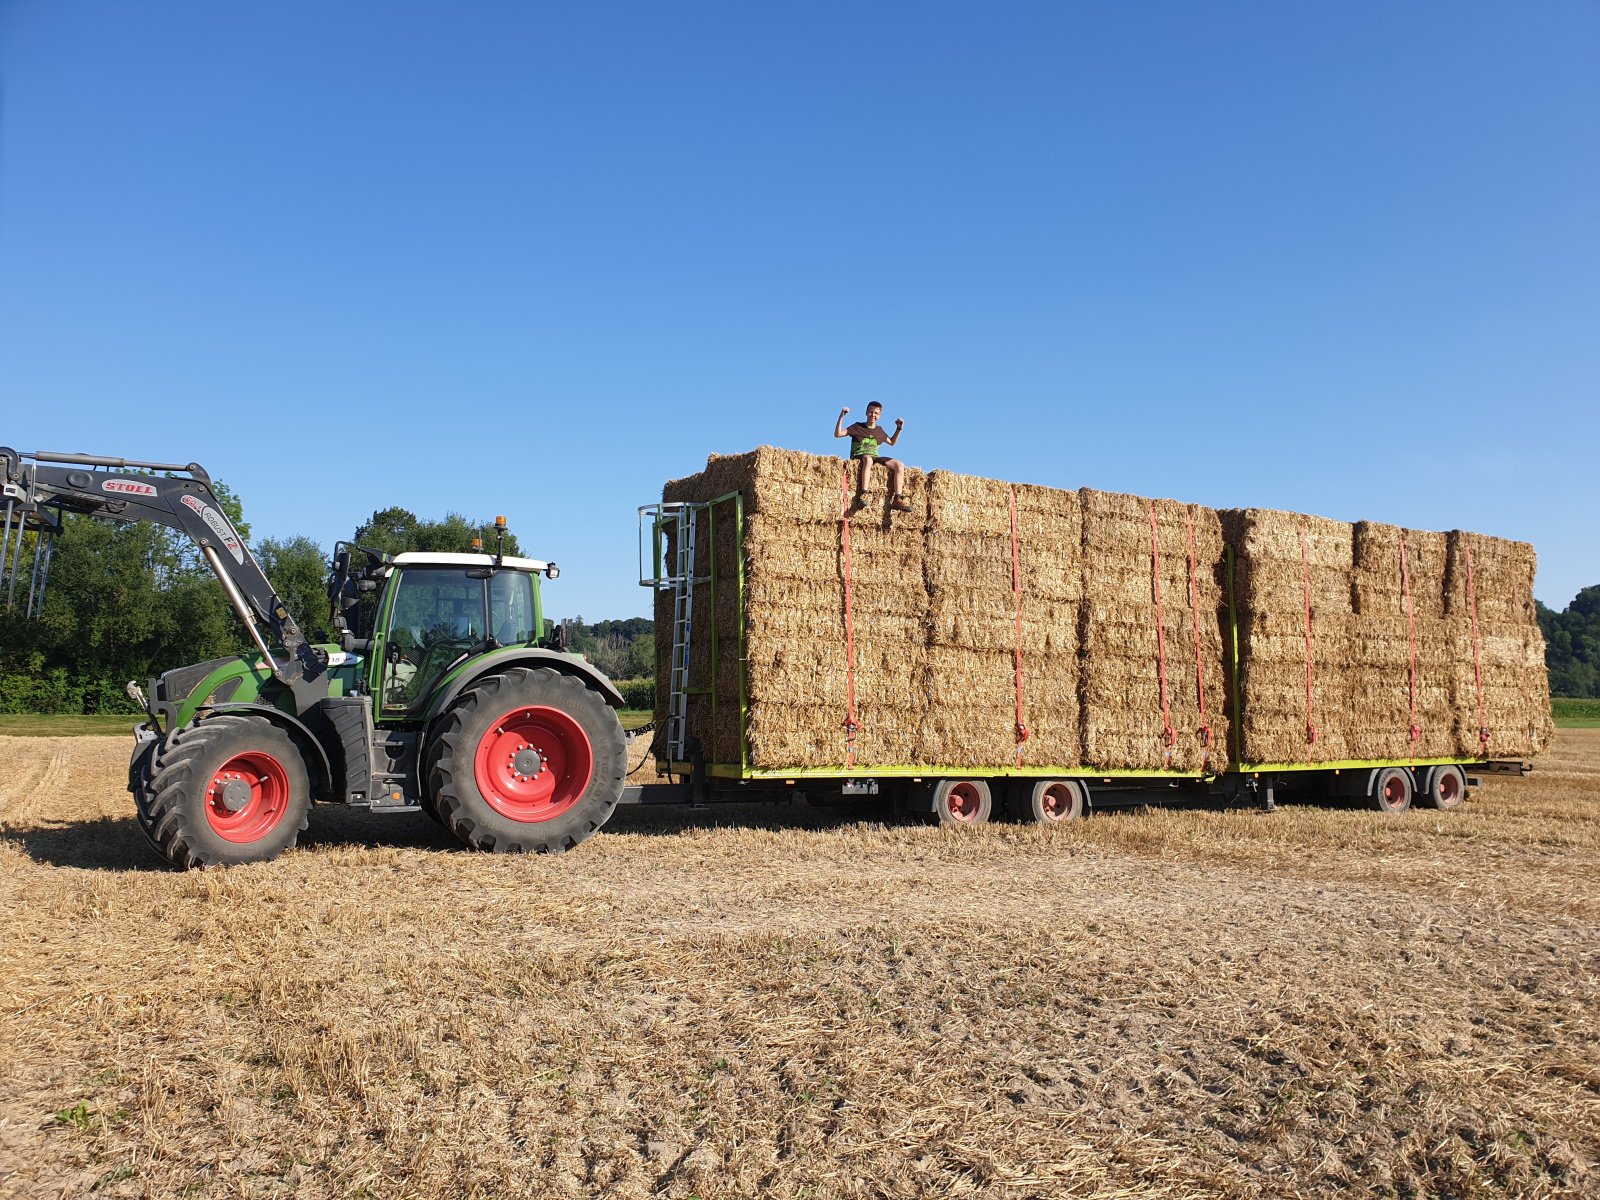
[753, 1002]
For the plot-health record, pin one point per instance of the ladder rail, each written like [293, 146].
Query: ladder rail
[682, 633]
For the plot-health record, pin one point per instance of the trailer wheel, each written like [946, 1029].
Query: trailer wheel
[232, 788]
[962, 802]
[1392, 791]
[1446, 788]
[527, 761]
[1047, 801]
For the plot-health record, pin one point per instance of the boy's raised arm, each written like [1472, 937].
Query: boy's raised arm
[838, 426]
[895, 436]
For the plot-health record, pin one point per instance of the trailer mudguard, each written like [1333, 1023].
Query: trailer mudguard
[520, 656]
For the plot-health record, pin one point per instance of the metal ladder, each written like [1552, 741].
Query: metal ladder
[679, 520]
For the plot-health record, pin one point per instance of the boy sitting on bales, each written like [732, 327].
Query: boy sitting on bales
[865, 438]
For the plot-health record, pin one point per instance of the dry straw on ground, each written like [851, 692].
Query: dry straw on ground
[1354, 641]
[771, 1003]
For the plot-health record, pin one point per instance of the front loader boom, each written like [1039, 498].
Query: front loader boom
[37, 488]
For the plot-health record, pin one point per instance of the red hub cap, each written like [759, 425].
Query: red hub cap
[247, 797]
[1057, 802]
[964, 802]
[1449, 788]
[533, 764]
[1394, 791]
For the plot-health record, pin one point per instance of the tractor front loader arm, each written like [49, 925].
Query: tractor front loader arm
[37, 488]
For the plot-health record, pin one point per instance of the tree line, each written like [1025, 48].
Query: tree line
[1572, 645]
[128, 601]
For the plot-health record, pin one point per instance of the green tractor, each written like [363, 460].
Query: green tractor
[442, 693]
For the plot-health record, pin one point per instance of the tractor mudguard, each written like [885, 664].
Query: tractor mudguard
[296, 728]
[521, 656]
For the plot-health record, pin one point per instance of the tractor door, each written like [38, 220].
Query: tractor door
[436, 620]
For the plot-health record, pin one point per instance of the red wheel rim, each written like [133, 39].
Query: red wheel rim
[247, 797]
[964, 802]
[533, 764]
[1449, 788]
[1056, 803]
[1394, 792]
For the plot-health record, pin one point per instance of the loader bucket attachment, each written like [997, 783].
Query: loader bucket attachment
[27, 537]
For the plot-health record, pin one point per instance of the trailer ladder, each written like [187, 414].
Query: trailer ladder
[673, 535]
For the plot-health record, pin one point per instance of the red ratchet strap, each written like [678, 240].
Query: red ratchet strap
[1168, 732]
[851, 725]
[1016, 593]
[1411, 620]
[1199, 670]
[1305, 578]
[1477, 664]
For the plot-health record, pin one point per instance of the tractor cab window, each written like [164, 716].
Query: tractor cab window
[511, 609]
[437, 620]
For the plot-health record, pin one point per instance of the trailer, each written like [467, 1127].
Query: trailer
[695, 557]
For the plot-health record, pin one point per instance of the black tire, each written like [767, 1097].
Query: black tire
[962, 802]
[1048, 801]
[1392, 790]
[231, 788]
[1446, 788]
[541, 722]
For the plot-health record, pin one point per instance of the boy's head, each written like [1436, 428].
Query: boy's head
[874, 411]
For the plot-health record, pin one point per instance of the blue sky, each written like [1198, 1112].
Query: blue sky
[536, 259]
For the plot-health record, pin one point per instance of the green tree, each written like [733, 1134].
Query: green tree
[396, 530]
[1572, 645]
[298, 571]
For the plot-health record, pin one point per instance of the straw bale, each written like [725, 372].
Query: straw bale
[1515, 688]
[1396, 677]
[798, 735]
[961, 560]
[1501, 577]
[1381, 574]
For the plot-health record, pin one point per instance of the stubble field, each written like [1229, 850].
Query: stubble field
[797, 1003]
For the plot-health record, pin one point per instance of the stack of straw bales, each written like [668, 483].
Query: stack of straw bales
[935, 596]
[1281, 559]
[974, 591]
[1126, 648]
[1389, 659]
[798, 683]
[1497, 648]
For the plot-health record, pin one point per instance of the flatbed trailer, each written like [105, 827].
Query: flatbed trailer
[961, 794]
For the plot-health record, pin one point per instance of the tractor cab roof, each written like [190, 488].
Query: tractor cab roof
[416, 558]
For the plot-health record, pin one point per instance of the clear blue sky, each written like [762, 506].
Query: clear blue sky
[535, 259]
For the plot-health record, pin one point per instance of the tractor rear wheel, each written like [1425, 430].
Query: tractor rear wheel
[527, 761]
[230, 788]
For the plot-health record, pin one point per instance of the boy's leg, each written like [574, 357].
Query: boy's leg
[897, 498]
[863, 474]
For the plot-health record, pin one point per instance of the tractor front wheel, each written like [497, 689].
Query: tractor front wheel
[527, 761]
[229, 788]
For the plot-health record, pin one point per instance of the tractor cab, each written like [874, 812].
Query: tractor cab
[427, 614]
